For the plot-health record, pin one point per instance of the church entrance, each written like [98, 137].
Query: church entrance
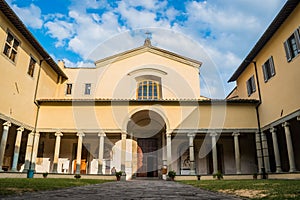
[147, 128]
[149, 166]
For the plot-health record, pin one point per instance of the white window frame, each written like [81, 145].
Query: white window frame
[67, 88]
[87, 89]
[8, 52]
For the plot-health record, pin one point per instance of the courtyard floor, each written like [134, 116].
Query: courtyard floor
[135, 189]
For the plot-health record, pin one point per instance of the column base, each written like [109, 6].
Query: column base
[292, 170]
[192, 172]
[13, 170]
[239, 172]
[278, 170]
[55, 168]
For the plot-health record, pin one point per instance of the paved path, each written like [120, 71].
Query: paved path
[137, 189]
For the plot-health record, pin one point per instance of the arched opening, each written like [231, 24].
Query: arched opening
[147, 128]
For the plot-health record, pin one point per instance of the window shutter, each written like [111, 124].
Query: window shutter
[264, 67]
[287, 51]
[297, 38]
[248, 88]
[272, 68]
[253, 84]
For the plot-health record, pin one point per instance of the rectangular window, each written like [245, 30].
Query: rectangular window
[69, 88]
[292, 46]
[268, 69]
[31, 67]
[11, 47]
[87, 89]
[251, 88]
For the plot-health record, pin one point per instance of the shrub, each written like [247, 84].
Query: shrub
[219, 175]
[77, 176]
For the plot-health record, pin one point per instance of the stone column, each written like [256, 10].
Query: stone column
[169, 150]
[214, 152]
[6, 126]
[123, 151]
[28, 151]
[276, 150]
[258, 151]
[79, 150]
[17, 149]
[164, 150]
[237, 153]
[100, 153]
[56, 151]
[35, 150]
[265, 151]
[191, 137]
[289, 144]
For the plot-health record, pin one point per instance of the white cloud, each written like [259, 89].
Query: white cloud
[135, 18]
[226, 30]
[31, 15]
[89, 33]
[61, 30]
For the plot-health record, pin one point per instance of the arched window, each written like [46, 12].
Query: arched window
[148, 89]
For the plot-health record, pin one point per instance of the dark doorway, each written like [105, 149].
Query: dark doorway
[149, 164]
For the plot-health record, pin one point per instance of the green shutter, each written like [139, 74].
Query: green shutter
[253, 84]
[272, 68]
[287, 51]
[297, 38]
[265, 71]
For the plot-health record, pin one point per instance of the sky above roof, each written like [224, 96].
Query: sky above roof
[219, 33]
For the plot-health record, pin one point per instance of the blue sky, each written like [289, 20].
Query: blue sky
[219, 33]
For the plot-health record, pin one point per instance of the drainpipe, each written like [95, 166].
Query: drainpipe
[38, 106]
[263, 169]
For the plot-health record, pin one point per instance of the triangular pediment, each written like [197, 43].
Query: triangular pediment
[147, 47]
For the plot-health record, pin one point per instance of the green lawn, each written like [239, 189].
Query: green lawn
[253, 189]
[9, 186]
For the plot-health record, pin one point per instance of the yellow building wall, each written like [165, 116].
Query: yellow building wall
[67, 116]
[116, 81]
[241, 82]
[280, 95]
[17, 87]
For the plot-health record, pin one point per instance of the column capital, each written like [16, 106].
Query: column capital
[21, 129]
[124, 135]
[213, 134]
[192, 135]
[101, 134]
[236, 134]
[169, 133]
[58, 134]
[273, 130]
[37, 133]
[80, 134]
[285, 124]
[7, 124]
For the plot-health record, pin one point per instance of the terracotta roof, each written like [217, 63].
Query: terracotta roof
[15, 20]
[274, 26]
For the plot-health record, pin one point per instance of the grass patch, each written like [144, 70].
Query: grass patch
[16, 186]
[252, 189]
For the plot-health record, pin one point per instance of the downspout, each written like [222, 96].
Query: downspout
[263, 169]
[37, 111]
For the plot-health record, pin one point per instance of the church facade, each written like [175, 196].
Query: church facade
[141, 111]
